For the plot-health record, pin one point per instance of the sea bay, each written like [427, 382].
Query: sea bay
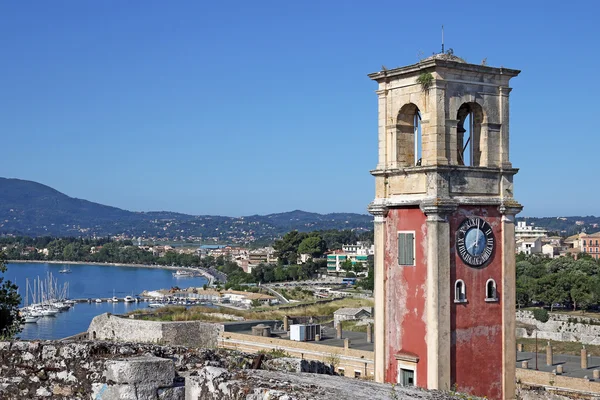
[91, 281]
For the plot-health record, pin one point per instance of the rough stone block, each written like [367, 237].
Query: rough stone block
[114, 392]
[172, 393]
[160, 371]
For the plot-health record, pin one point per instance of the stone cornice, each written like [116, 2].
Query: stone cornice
[509, 208]
[378, 210]
[434, 63]
[443, 168]
[438, 209]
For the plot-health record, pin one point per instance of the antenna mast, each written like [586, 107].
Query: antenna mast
[442, 39]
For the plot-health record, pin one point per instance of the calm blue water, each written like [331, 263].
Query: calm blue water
[91, 281]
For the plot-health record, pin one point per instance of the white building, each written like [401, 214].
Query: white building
[529, 245]
[524, 231]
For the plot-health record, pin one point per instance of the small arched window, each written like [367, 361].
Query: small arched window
[460, 292]
[490, 291]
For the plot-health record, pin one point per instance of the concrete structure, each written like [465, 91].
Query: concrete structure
[444, 201]
[351, 314]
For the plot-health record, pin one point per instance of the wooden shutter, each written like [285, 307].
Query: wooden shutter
[406, 247]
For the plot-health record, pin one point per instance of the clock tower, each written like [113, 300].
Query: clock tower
[444, 228]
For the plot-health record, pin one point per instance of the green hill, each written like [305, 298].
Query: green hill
[32, 209]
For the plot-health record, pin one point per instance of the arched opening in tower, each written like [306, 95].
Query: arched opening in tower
[409, 142]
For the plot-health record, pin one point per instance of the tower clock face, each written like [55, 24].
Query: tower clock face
[475, 241]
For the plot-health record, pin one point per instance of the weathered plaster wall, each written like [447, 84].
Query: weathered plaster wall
[406, 294]
[186, 333]
[476, 352]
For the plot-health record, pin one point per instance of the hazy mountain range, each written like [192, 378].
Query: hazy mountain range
[32, 209]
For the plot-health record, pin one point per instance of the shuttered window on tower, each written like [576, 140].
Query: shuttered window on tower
[406, 248]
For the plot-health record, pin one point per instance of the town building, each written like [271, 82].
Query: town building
[337, 258]
[529, 245]
[445, 228]
[360, 249]
[265, 255]
[351, 314]
[551, 250]
[524, 231]
[590, 244]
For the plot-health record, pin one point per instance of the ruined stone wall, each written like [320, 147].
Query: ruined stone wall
[184, 333]
[566, 384]
[75, 370]
[560, 329]
[347, 360]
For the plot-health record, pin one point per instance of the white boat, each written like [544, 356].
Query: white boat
[65, 270]
[98, 300]
[129, 299]
[30, 319]
[156, 305]
[115, 299]
[49, 312]
[109, 301]
[181, 273]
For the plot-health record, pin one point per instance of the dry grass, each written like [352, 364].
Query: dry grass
[198, 313]
[573, 348]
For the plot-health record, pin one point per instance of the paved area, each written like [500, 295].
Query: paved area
[571, 364]
[358, 340]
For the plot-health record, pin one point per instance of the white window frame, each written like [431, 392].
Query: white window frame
[457, 299]
[491, 299]
[414, 234]
[409, 367]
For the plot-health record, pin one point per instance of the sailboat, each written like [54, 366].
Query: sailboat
[27, 314]
[115, 299]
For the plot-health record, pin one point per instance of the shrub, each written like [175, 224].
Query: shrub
[541, 314]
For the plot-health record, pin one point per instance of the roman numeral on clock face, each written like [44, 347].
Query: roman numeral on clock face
[475, 241]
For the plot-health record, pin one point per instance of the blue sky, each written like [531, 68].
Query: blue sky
[239, 107]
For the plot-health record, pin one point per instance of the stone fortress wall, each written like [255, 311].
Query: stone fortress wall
[116, 371]
[560, 327]
[185, 333]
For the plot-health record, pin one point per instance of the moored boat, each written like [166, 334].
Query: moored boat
[181, 273]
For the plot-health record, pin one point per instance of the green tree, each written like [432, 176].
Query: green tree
[579, 288]
[313, 245]
[10, 320]
[286, 248]
[346, 265]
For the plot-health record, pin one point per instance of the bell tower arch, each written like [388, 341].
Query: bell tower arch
[444, 227]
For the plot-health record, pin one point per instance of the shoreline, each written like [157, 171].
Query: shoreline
[204, 273]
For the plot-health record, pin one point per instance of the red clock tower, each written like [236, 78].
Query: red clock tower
[444, 228]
